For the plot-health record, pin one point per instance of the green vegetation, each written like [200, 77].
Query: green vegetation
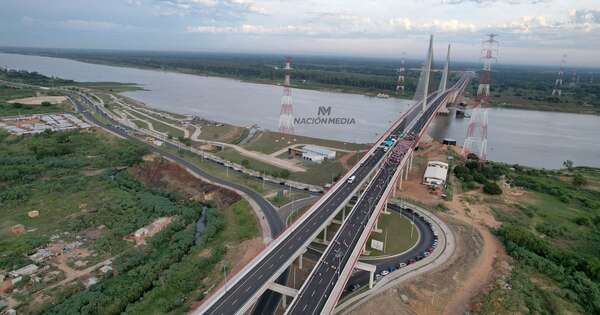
[355, 75]
[78, 182]
[269, 142]
[474, 172]
[44, 173]
[554, 238]
[159, 126]
[33, 78]
[397, 229]
[8, 93]
[531, 88]
[281, 199]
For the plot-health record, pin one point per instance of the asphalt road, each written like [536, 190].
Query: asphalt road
[315, 292]
[425, 242]
[269, 300]
[239, 293]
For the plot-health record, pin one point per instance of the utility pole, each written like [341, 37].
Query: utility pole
[557, 91]
[489, 52]
[401, 76]
[286, 116]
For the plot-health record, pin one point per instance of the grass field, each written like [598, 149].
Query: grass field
[280, 200]
[140, 123]
[221, 132]
[220, 171]
[8, 109]
[550, 226]
[398, 230]
[173, 132]
[269, 142]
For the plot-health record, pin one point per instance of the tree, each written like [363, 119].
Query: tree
[245, 163]
[579, 180]
[568, 164]
[492, 188]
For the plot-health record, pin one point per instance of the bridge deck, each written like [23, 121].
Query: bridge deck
[317, 295]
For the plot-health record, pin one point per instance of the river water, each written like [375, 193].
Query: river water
[531, 138]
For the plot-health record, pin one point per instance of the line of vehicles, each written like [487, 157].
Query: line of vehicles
[409, 261]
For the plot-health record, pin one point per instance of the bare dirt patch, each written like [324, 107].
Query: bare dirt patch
[140, 235]
[451, 288]
[345, 160]
[38, 100]
[169, 176]
[474, 266]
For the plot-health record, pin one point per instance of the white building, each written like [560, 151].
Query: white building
[317, 154]
[436, 173]
[25, 271]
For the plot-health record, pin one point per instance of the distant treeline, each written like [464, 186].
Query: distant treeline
[345, 73]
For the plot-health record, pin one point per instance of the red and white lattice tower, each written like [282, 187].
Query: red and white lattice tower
[401, 76]
[286, 116]
[489, 54]
[476, 139]
[557, 91]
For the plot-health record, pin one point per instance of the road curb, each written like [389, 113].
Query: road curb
[439, 256]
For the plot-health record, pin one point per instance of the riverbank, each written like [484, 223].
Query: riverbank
[297, 84]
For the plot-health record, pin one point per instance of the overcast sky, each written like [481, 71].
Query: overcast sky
[530, 31]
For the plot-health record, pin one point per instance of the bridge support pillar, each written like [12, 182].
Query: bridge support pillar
[285, 291]
[300, 262]
[385, 207]
[400, 178]
[376, 229]
[367, 267]
[325, 235]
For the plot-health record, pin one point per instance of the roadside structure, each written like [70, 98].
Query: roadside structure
[436, 173]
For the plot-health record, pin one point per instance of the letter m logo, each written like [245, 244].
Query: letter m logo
[324, 110]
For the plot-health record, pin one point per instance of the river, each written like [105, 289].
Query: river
[533, 138]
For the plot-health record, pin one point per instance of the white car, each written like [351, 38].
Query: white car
[385, 273]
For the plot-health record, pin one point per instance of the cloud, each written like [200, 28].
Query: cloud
[247, 29]
[486, 2]
[342, 26]
[585, 16]
[91, 25]
[213, 8]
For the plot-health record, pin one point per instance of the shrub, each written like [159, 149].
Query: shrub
[492, 188]
[579, 180]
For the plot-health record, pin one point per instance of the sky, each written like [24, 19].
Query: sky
[529, 31]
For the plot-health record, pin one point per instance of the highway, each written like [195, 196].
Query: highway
[243, 290]
[425, 242]
[317, 289]
[243, 287]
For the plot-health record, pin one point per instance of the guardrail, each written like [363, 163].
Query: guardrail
[221, 292]
[439, 255]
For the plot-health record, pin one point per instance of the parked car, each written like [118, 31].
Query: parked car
[384, 272]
